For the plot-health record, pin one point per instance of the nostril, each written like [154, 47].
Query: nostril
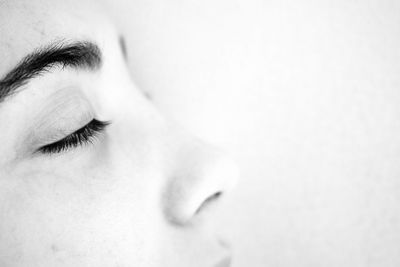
[208, 201]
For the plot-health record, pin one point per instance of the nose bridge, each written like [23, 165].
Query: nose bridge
[202, 174]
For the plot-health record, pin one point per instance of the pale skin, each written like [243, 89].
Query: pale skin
[139, 194]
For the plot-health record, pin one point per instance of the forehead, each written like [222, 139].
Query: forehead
[28, 24]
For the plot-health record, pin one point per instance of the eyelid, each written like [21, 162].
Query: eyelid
[84, 135]
[53, 132]
[60, 114]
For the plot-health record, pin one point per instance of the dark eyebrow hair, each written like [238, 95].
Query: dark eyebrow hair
[80, 55]
[122, 44]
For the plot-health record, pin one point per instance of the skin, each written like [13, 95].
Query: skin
[143, 194]
[311, 111]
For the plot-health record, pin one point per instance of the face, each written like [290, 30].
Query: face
[90, 173]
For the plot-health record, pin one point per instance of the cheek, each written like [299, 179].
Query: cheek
[96, 218]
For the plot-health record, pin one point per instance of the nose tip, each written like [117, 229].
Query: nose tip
[224, 176]
[201, 180]
[232, 172]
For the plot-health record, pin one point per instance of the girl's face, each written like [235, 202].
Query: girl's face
[90, 173]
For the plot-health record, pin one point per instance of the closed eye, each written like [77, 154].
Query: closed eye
[85, 135]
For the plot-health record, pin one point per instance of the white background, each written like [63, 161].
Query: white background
[306, 96]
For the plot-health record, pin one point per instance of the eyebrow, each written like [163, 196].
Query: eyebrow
[122, 44]
[78, 55]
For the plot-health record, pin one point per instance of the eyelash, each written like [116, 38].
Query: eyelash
[85, 135]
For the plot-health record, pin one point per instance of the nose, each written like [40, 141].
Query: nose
[201, 176]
